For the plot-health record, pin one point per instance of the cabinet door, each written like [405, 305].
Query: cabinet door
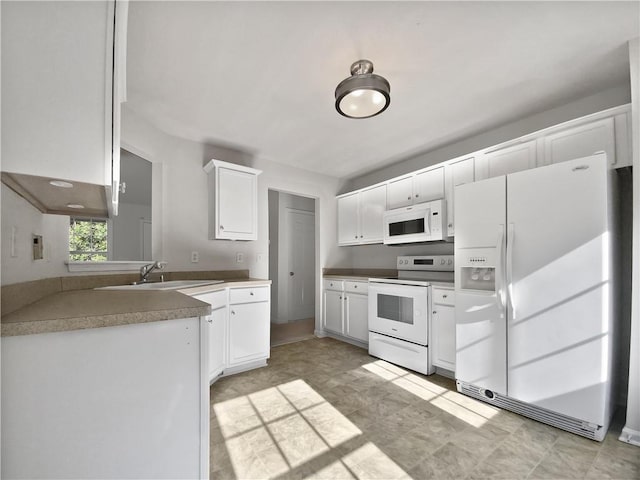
[348, 220]
[514, 158]
[457, 173]
[56, 89]
[357, 323]
[333, 311]
[248, 332]
[217, 341]
[373, 203]
[400, 193]
[581, 141]
[443, 337]
[236, 204]
[428, 185]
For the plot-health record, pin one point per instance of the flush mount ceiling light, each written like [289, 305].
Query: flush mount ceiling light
[363, 94]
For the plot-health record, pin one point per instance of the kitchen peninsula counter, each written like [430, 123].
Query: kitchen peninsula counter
[88, 308]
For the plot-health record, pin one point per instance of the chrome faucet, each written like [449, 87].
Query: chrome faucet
[146, 270]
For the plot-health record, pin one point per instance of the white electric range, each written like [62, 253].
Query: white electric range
[400, 310]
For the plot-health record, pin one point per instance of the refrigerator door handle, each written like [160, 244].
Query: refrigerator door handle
[500, 287]
[510, 236]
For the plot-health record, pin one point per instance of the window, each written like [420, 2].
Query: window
[88, 240]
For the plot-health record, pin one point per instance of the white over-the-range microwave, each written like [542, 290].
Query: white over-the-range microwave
[417, 223]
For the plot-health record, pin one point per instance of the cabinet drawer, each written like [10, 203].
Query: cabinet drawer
[248, 295]
[333, 284]
[356, 287]
[443, 296]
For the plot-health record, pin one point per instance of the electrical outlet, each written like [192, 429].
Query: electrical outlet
[195, 257]
[260, 258]
[239, 257]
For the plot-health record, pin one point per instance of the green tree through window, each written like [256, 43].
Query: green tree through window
[88, 240]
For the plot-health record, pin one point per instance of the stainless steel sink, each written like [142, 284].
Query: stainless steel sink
[171, 285]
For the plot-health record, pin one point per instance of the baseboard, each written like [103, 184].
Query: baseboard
[244, 367]
[352, 341]
[630, 436]
[319, 333]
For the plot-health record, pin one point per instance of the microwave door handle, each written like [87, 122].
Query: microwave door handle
[427, 222]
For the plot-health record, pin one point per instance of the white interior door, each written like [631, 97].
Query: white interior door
[301, 264]
[558, 327]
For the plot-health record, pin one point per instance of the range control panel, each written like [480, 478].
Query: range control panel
[436, 263]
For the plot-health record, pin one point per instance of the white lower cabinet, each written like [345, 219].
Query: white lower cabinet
[239, 329]
[248, 332]
[356, 321]
[443, 329]
[346, 309]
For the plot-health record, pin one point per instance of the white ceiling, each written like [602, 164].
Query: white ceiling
[260, 77]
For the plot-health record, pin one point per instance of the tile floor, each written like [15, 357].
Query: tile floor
[326, 409]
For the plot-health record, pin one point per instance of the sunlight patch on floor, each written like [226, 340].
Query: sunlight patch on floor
[470, 411]
[288, 426]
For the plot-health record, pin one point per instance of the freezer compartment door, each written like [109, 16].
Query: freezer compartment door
[558, 272]
[481, 341]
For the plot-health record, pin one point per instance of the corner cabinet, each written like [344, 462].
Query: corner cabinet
[233, 201]
[238, 329]
[360, 216]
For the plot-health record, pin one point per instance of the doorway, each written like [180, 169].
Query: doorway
[292, 220]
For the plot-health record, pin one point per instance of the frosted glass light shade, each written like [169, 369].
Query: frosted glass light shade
[364, 94]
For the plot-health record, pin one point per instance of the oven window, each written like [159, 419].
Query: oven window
[393, 307]
[407, 227]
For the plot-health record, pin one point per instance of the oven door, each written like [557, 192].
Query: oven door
[399, 311]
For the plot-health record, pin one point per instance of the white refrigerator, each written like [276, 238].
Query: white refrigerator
[534, 285]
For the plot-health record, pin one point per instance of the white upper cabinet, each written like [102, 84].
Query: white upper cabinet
[233, 201]
[400, 193]
[509, 159]
[428, 185]
[373, 203]
[607, 131]
[348, 219]
[422, 187]
[581, 141]
[360, 216]
[57, 90]
[457, 172]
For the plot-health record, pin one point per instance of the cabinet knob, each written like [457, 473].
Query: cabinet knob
[340, 298]
[409, 197]
[450, 225]
[210, 320]
[355, 286]
[361, 236]
[233, 312]
[356, 236]
[443, 296]
[251, 293]
[417, 195]
[221, 227]
[291, 274]
[434, 312]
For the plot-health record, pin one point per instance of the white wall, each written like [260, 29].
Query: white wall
[125, 234]
[18, 213]
[183, 208]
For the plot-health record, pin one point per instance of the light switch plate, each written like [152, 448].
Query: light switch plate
[239, 257]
